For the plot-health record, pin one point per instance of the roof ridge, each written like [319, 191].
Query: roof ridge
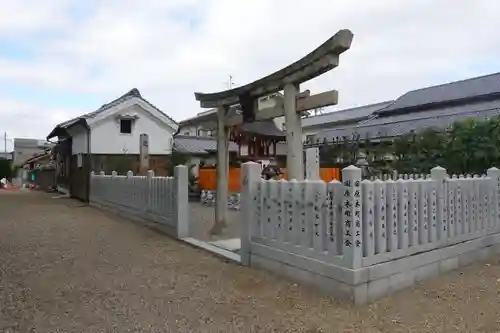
[453, 82]
[365, 125]
[134, 92]
[194, 137]
[354, 108]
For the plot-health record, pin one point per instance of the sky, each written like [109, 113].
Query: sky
[62, 58]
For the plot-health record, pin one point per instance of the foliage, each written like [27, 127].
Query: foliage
[14, 168]
[5, 169]
[175, 159]
[192, 179]
[418, 153]
[341, 152]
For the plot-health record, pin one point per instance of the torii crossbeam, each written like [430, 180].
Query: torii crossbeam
[288, 79]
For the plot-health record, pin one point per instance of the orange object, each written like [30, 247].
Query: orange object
[207, 178]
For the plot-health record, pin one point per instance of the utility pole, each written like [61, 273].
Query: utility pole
[230, 82]
[5, 141]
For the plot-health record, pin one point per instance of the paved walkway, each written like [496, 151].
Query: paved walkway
[65, 267]
[202, 219]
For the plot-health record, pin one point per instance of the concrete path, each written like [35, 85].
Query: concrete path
[65, 267]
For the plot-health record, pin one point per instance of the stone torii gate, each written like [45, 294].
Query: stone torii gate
[291, 105]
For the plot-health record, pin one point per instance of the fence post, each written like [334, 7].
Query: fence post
[149, 195]
[182, 196]
[92, 186]
[438, 174]
[250, 176]
[494, 174]
[352, 246]
[312, 163]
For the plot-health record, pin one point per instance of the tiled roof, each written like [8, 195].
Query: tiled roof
[343, 116]
[396, 125]
[264, 128]
[198, 145]
[45, 154]
[453, 91]
[131, 94]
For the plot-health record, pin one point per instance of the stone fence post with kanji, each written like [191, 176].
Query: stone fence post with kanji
[352, 247]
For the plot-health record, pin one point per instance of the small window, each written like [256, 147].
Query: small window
[310, 138]
[125, 126]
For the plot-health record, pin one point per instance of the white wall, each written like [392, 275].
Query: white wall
[79, 139]
[188, 130]
[107, 139]
[195, 130]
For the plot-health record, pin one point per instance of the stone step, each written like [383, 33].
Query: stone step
[232, 244]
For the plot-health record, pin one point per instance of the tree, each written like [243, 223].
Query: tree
[5, 169]
[467, 147]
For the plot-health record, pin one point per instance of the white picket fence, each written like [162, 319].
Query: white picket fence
[359, 223]
[163, 200]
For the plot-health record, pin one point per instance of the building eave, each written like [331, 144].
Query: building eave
[61, 129]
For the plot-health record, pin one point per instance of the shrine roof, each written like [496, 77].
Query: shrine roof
[198, 145]
[319, 61]
[264, 128]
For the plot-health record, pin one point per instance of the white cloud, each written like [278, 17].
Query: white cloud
[18, 18]
[112, 46]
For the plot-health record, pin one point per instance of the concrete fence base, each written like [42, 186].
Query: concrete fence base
[371, 283]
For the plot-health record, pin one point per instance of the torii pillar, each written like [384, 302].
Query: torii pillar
[222, 170]
[318, 62]
[293, 124]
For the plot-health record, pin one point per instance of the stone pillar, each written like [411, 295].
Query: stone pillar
[222, 170]
[352, 246]
[438, 174]
[143, 154]
[250, 177]
[182, 200]
[312, 163]
[294, 157]
[494, 174]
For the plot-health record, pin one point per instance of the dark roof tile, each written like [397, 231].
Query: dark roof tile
[343, 116]
[397, 125]
[198, 145]
[453, 91]
[131, 94]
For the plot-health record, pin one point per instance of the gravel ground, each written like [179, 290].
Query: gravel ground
[65, 267]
